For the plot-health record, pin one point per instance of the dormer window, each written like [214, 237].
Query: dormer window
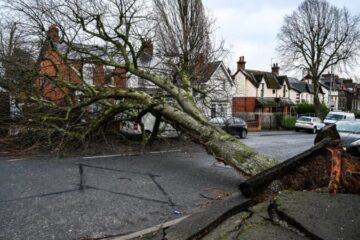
[88, 73]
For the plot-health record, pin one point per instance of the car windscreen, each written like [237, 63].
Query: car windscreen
[348, 126]
[333, 116]
[305, 119]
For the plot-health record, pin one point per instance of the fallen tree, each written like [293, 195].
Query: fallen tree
[176, 40]
[167, 51]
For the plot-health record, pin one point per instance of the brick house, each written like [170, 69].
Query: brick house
[260, 91]
[51, 63]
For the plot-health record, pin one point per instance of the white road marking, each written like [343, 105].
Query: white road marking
[131, 154]
[15, 159]
[150, 230]
[168, 151]
[108, 156]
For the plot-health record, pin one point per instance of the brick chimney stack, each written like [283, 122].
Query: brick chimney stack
[53, 34]
[241, 63]
[275, 69]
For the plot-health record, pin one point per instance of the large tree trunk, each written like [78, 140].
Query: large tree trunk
[317, 103]
[221, 145]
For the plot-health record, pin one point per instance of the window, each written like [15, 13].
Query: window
[273, 91]
[88, 73]
[262, 90]
[218, 110]
[109, 75]
[284, 91]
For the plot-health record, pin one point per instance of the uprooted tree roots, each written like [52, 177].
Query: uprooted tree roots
[324, 168]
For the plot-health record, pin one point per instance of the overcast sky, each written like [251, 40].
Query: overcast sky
[250, 27]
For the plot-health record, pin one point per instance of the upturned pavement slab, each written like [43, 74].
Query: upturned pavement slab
[322, 216]
[253, 224]
[199, 224]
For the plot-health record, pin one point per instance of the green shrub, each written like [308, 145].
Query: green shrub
[304, 108]
[357, 113]
[288, 122]
[323, 111]
[307, 108]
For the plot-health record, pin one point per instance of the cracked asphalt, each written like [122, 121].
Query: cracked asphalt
[48, 198]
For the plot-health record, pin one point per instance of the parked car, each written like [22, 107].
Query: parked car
[350, 135]
[311, 124]
[333, 117]
[233, 125]
[218, 121]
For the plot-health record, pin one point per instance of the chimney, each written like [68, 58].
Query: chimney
[53, 34]
[241, 63]
[275, 69]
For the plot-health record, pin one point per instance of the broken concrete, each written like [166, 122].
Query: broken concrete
[293, 215]
[199, 224]
[331, 217]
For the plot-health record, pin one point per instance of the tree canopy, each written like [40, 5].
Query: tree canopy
[160, 43]
[317, 36]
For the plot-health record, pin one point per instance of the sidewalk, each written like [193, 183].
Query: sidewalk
[294, 215]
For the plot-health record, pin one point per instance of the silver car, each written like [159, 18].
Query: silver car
[311, 124]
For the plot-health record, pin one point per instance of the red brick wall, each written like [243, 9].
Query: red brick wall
[53, 66]
[120, 77]
[243, 104]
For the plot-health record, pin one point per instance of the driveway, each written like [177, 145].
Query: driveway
[103, 196]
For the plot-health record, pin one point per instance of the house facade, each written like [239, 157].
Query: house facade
[77, 69]
[216, 89]
[303, 91]
[343, 94]
[260, 91]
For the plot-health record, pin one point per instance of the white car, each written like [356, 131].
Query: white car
[333, 117]
[312, 124]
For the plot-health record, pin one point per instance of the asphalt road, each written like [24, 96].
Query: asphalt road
[280, 145]
[48, 198]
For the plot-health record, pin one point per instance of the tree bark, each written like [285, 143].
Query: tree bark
[221, 145]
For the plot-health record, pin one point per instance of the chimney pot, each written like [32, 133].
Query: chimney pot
[275, 69]
[241, 63]
[53, 33]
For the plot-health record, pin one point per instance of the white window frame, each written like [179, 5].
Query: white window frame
[112, 79]
[88, 73]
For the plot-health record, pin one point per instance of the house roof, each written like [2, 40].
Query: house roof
[270, 78]
[210, 69]
[310, 88]
[283, 79]
[274, 102]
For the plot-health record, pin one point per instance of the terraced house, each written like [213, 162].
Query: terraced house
[261, 91]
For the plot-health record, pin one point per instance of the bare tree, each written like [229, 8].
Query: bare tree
[15, 59]
[317, 36]
[117, 33]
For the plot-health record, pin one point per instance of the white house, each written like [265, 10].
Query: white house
[216, 89]
[260, 91]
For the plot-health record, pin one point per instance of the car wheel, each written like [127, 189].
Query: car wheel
[314, 130]
[296, 129]
[243, 133]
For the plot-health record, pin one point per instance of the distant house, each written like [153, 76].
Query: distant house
[342, 93]
[302, 91]
[260, 91]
